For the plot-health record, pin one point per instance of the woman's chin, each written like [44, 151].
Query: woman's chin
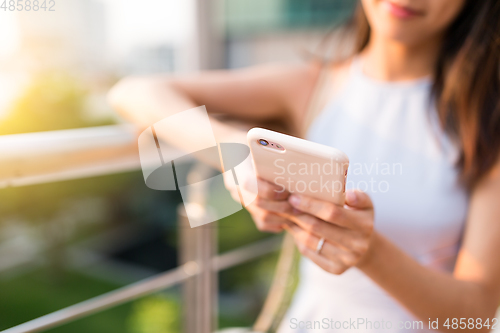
[404, 34]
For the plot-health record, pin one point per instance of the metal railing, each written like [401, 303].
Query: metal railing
[36, 158]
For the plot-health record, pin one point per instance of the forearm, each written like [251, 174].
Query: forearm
[425, 292]
[149, 100]
[145, 101]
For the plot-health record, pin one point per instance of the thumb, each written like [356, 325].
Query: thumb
[358, 199]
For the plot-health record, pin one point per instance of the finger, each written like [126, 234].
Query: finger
[266, 221]
[271, 191]
[358, 199]
[267, 226]
[282, 207]
[235, 195]
[324, 210]
[249, 184]
[328, 249]
[329, 265]
[333, 267]
[337, 235]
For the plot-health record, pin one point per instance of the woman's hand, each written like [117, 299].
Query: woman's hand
[347, 231]
[271, 208]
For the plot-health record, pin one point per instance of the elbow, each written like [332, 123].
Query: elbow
[123, 90]
[489, 309]
[482, 310]
[132, 96]
[474, 310]
[143, 100]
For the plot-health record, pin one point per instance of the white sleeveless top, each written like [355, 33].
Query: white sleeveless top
[399, 155]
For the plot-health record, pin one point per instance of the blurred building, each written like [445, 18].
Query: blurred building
[260, 31]
[143, 60]
[71, 37]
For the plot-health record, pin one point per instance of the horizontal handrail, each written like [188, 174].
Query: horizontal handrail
[145, 287]
[41, 157]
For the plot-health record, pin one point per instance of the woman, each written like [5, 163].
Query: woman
[417, 110]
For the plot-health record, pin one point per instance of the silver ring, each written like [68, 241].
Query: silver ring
[320, 245]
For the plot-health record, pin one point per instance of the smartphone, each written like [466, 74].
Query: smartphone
[299, 166]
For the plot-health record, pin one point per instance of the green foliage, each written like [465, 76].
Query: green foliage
[43, 202]
[155, 314]
[53, 101]
[36, 294]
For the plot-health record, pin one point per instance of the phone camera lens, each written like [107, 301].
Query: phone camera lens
[263, 142]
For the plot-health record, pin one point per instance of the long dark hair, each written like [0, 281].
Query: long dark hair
[466, 84]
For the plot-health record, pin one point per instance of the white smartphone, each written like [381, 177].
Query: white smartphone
[299, 166]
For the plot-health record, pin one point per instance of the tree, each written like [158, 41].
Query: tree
[53, 101]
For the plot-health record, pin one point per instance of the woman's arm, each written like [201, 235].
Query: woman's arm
[261, 93]
[472, 291]
[256, 94]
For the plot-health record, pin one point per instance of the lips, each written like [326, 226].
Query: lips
[400, 11]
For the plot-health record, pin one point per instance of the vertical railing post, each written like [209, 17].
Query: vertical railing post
[210, 34]
[197, 247]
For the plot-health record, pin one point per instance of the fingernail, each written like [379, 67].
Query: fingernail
[351, 197]
[294, 200]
